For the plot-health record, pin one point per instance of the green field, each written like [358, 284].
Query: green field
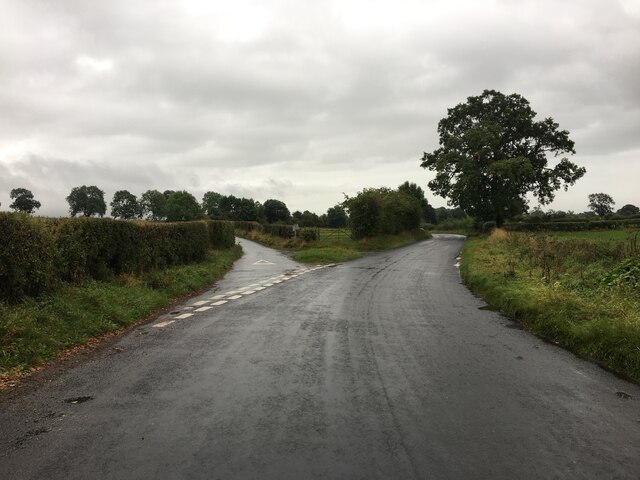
[580, 290]
[335, 245]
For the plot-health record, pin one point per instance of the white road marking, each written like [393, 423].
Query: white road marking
[235, 297]
[277, 281]
[163, 324]
[235, 292]
[220, 302]
[185, 315]
[217, 297]
[197, 304]
[248, 292]
[202, 309]
[263, 262]
[267, 284]
[257, 289]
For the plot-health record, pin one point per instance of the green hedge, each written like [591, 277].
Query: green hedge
[26, 257]
[39, 252]
[278, 230]
[572, 226]
[221, 234]
[247, 226]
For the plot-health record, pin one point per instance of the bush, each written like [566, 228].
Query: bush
[309, 234]
[26, 258]
[383, 211]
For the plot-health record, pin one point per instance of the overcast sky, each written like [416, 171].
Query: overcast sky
[300, 101]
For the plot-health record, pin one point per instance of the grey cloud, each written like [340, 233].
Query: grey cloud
[318, 93]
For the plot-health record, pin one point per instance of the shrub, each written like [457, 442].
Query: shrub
[26, 258]
[309, 234]
[382, 211]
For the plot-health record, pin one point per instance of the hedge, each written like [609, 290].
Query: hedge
[221, 234]
[39, 252]
[247, 226]
[572, 226]
[278, 230]
[26, 257]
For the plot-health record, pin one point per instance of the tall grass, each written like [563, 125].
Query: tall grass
[560, 287]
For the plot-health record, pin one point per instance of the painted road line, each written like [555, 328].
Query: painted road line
[235, 297]
[235, 292]
[267, 284]
[248, 292]
[277, 281]
[163, 324]
[202, 309]
[197, 304]
[217, 297]
[185, 315]
[257, 289]
[219, 302]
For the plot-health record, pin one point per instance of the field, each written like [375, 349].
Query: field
[580, 290]
[335, 245]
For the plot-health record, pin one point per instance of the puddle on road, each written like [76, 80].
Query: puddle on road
[81, 399]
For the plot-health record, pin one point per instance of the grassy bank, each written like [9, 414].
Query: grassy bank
[39, 329]
[335, 245]
[581, 291]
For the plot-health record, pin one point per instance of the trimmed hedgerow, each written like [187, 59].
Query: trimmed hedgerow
[278, 230]
[221, 234]
[571, 226]
[40, 252]
[99, 248]
[247, 226]
[26, 258]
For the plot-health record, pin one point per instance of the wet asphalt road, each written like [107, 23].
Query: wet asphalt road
[384, 367]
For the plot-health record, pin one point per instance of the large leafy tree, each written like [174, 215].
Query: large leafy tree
[211, 204]
[23, 201]
[276, 211]
[337, 217]
[493, 154]
[125, 205]
[601, 203]
[234, 208]
[413, 189]
[152, 205]
[628, 209]
[182, 206]
[88, 200]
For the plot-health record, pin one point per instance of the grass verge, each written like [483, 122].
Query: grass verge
[335, 245]
[42, 328]
[566, 289]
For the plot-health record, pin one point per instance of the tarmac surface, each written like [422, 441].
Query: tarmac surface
[384, 367]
